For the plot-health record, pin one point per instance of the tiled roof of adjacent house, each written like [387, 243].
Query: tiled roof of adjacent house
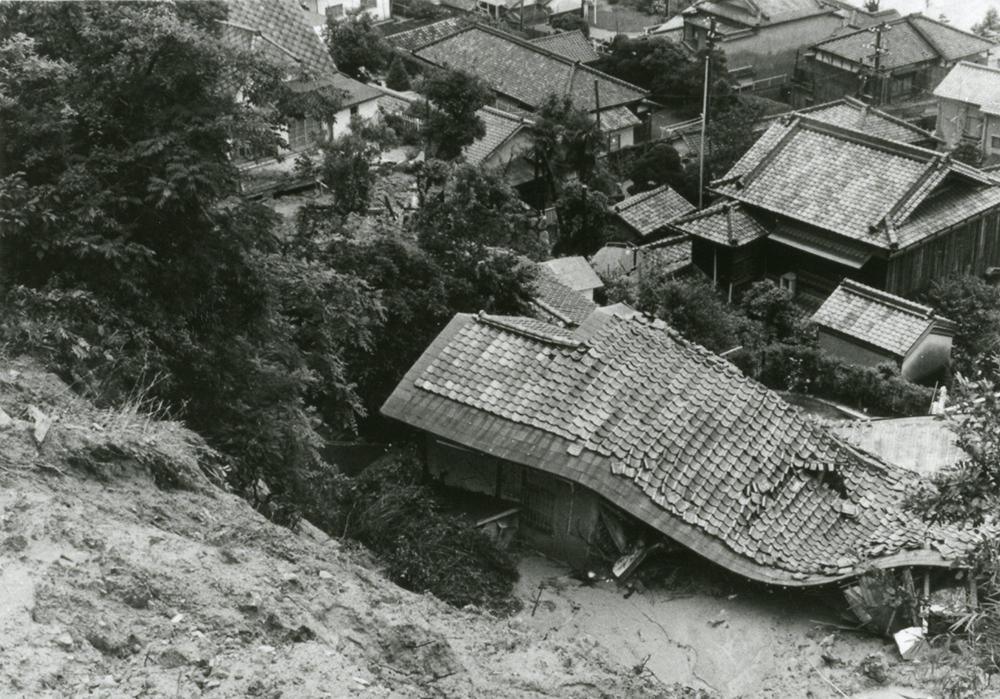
[414, 39]
[669, 256]
[876, 318]
[500, 126]
[768, 11]
[854, 114]
[286, 34]
[676, 437]
[926, 444]
[617, 118]
[557, 302]
[572, 45]
[353, 91]
[912, 39]
[943, 210]
[727, 223]
[974, 84]
[850, 183]
[524, 71]
[649, 212]
[575, 272]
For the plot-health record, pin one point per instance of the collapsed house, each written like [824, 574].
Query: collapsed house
[564, 426]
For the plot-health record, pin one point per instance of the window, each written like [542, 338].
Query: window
[973, 125]
[994, 142]
[614, 142]
[788, 281]
[538, 502]
[368, 4]
[354, 110]
[302, 133]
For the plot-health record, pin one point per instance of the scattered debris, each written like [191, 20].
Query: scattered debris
[909, 641]
[875, 667]
[42, 424]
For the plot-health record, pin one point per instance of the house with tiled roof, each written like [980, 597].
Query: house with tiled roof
[559, 304]
[282, 31]
[319, 10]
[415, 39]
[576, 273]
[571, 45]
[622, 415]
[670, 256]
[917, 54]
[762, 39]
[644, 217]
[969, 109]
[868, 327]
[835, 204]
[506, 145]
[523, 75]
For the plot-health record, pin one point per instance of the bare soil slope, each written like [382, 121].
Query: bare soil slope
[124, 571]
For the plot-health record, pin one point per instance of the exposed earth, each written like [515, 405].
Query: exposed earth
[127, 571]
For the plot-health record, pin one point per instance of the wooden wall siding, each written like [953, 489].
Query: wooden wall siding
[969, 248]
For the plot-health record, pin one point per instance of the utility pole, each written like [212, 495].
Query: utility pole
[877, 87]
[709, 45]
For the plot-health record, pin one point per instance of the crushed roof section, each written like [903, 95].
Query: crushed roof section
[972, 83]
[678, 438]
[500, 126]
[557, 303]
[854, 184]
[526, 72]
[572, 45]
[854, 114]
[912, 39]
[286, 34]
[575, 272]
[415, 39]
[925, 444]
[726, 223]
[876, 317]
[649, 212]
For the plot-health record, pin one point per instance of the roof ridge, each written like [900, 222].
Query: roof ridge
[637, 198]
[706, 212]
[928, 38]
[855, 102]
[483, 317]
[921, 15]
[505, 114]
[979, 66]
[898, 302]
[666, 242]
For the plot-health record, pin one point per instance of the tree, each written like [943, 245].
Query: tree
[347, 171]
[566, 140]
[659, 165]
[453, 123]
[356, 46]
[398, 78]
[974, 306]
[730, 133]
[571, 22]
[989, 27]
[583, 217]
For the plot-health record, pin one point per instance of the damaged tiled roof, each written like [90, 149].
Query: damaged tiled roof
[648, 212]
[727, 223]
[572, 45]
[526, 72]
[877, 318]
[282, 26]
[414, 39]
[500, 126]
[925, 444]
[676, 437]
[854, 114]
[575, 272]
[558, 303]
[974, 84]
[912, 39]
[848, 182]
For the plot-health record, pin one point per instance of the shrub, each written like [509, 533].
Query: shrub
[398, 78]
[388, 510]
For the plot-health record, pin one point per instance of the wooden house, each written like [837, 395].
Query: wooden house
[812, 204]
[969, 109]
[868, 327]
[645, 217]
[563, 429]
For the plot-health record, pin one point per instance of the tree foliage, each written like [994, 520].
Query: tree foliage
[974, 306]
[989, 26]
[583, 220]
[658, 166]
[356, 46]
[397, 78]
[452, 123]
[347, 171]
[566, 141]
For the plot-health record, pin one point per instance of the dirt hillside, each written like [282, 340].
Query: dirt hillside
[126, 573]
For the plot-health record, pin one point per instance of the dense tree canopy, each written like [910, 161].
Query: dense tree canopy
[356, 46]
[452, 123]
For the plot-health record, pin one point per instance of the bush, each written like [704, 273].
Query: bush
[398, 78]
[388, 510]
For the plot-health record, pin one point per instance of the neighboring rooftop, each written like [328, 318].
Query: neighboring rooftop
[557, 303]
[760, 12]
[877, 318]
[678, 438]
[500, 126]
[353, 91]
[574, 272]
[875, 191]
[974, 84]
[614, 259]
[924, 444]
[726, 223]
[526, 72]
[911, 40]
[414, 39]
[851, 113]
[280, 28]
[650, 212]
[572, 45]
[668, 256]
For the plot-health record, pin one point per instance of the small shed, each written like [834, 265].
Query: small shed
[869, 327]
[576, 273]
[645, 217]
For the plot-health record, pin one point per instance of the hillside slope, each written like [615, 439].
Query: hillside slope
[126, 571]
